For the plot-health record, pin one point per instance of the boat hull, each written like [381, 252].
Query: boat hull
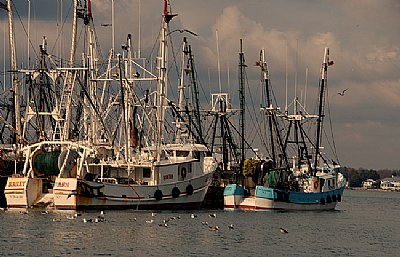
[76, 194]
[273, 199]
[22, 192]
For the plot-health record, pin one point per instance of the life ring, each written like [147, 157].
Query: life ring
[183, 172]
[158, 195]
[322, 201]
[316, 184]
[189, 189]
[175, 192]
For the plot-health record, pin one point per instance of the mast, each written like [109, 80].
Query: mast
[73, 39]
[15, 86]
[162, 78]
[180, 90]
[242, 98]
[195, 95]
[324, 73]
[68, 85]
[265, 77]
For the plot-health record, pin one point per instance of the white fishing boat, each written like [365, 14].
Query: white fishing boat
[122, 161]
[312, 182]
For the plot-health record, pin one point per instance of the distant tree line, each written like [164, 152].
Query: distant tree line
[355, 177]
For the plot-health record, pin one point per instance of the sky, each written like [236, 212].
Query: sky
[363, 38]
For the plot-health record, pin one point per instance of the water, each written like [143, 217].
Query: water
[366, 223]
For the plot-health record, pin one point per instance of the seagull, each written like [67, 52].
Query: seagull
[77, 214]
[204, 222]
[284, 230]
[149, 221]
[87, 220]
[194, 216]
[212, 215]
[44, 212]
[56, 219]
[153, 214]
[215, 228]
[230, 226]
[342, 93]
[184, 30]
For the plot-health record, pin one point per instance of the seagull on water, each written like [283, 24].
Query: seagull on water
[215, 228]
[284, 230]
[230, 226]
[212, 215]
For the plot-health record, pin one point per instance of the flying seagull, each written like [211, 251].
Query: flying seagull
[342, 93]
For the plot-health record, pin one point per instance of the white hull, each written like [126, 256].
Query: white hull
[69, 193]
[255, 203]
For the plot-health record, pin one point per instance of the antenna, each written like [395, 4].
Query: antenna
[219, 66]
[305, 89]
[139, 32]
[286, 78]
[4, 57]
[112, 27]
[295, 78]
[29, 27]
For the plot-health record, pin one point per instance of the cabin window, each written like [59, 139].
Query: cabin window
[196, 155]
[146, 172]
[182, 153]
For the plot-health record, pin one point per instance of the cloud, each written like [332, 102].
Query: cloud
[384, 54]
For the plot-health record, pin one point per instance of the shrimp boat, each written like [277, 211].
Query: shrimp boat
[109, 147]
[310, 183]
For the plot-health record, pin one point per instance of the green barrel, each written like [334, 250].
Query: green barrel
[47, 163]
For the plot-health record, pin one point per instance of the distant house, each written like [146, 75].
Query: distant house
[370, 183]
[392, 183]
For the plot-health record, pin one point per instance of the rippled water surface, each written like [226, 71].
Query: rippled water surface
[366, 223]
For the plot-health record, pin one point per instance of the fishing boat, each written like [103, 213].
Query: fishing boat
[310, 182]
[111, 150]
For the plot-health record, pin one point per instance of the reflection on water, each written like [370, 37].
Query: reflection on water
[365, 224]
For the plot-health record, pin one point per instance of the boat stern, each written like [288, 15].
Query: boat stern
[22, 192]
[233, 195]
[65, 193]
